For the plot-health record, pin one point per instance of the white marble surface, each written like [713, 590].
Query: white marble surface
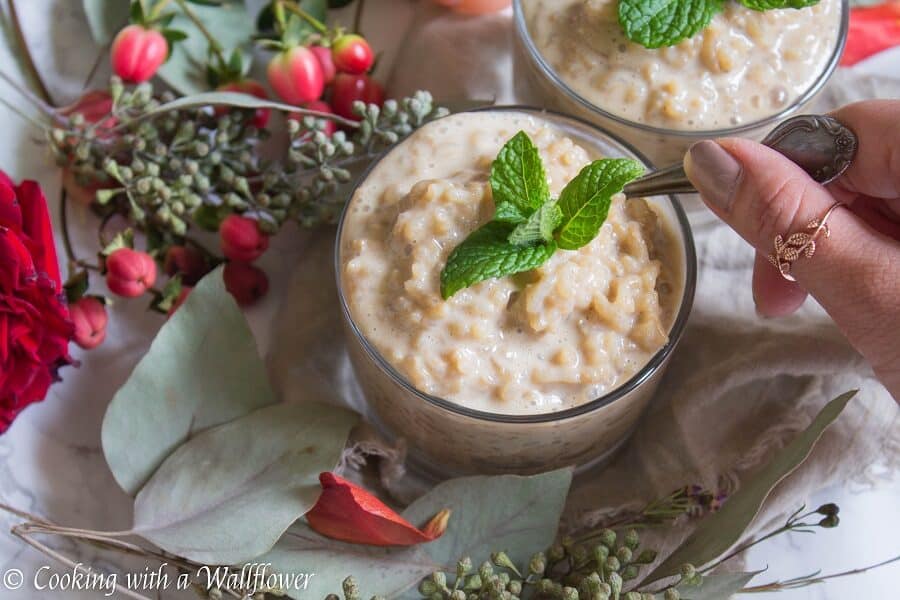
[51, 462]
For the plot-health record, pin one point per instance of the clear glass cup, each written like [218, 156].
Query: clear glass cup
[538, 83]
[446, 439]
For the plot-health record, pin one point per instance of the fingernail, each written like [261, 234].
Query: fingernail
[713, 171]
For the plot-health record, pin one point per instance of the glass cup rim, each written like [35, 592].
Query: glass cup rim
[547, 71]
[648, 370]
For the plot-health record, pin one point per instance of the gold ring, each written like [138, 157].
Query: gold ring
[799, 245]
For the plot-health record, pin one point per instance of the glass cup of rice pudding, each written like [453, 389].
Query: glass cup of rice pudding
[738, 77]
[520, 374]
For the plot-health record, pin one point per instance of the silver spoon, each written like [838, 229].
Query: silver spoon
[819, 144]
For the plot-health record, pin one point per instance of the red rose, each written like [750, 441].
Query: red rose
[35, 328]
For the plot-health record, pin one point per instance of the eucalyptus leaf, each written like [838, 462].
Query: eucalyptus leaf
[227, 495]
[718, 586]
[203, 369]
[517, 514]
[105, 18]
[229, 23]
[721, 530]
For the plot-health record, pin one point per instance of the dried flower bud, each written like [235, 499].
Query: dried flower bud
[214, 594]
[608, 538]
[556, 553]
[687, 570]
[612, 564]
[351, 589]
[579, 555]
[632, 540]
[615, 582]
[473, 582]
[829, 509]
[601, 553]
[538, 564]
[830, 522]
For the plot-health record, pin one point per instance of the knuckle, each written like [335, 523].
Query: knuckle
[776, 206]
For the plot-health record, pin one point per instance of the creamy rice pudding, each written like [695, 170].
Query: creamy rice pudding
[559, 336]
[745, 66]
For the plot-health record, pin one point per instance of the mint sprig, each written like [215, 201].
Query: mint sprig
[658, 23]
[528, 225]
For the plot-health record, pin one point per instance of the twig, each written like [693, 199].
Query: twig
[29, 61]
[22, 535]
[803, 582]
[214, 44]
[357, 18]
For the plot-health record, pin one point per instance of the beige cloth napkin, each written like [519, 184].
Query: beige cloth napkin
[739, 386]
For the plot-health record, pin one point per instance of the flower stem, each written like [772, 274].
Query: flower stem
[26, 54]
[776, 586]
[214, 44]
[158, 8]
[317, 24]
[64, 225]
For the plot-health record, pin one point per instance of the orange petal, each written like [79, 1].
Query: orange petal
[350, 513]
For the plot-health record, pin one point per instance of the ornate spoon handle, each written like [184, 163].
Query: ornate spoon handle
[819, 144]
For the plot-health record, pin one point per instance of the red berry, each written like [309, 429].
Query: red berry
[351, 53]
[245, 282]
[130, 273]
[242, 239]
[348, 89]
[89, 317]
[296, 75]
[189, 262]
[326, 62]
[182, 296]
[137, 53]
[253, 88]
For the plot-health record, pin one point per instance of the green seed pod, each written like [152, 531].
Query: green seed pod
[601, 553]
[138, 166]
[457, 595]
[139, 145]
[624, 554]
[632, 596]
[201, 182]
[192, 200]
[486, 570]
[632, 540]
[608, 538]
[235, 201]
[473, 582]
[191, 166]
[143, 186]
[438, 577]
[178, 207]
[175, 164]
[359, 108]
[351, 589]
[630, 572]
[77, 120]
[58, 135]
[160, 150]
[570, 593]
[165, 194]
[687, 571]
[612, 564]
[503, 578]
[515, 587]
[671, 594]
[179, 227]
[604, 588]
[157, 184]
[83, 151]
[201, 149]
[615, 582]
[214, 594]
[215, 157]
[125, 173]
[579, 555]
[647, 596]
[185, 180]
[556, 553]
[427, 587]
[153, 169]
[538, 564]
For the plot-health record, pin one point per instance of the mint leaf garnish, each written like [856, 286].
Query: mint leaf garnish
[509, 213]
[585, 200]
[770, 4]
[517, 176]
[526, 220]
[539, 227]
[657, 23]
[487, 254]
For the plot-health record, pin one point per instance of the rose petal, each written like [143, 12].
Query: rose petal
[36, 225]
[350, 513]
[872, 29]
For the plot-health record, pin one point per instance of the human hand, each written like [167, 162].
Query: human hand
[855, 273]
